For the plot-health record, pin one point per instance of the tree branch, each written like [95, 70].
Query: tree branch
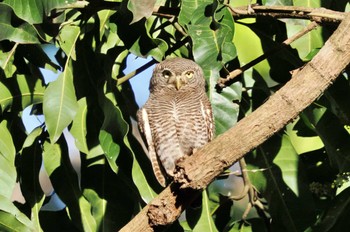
[200, 169]
[224, 82]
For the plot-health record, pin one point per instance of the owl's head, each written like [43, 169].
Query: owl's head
[177, 74]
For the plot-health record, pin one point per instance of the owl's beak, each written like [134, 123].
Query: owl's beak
[178, 82]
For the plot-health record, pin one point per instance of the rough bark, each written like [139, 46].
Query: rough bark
[198, 170]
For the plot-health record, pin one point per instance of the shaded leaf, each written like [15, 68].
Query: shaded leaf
[205, 222]
[58, 167]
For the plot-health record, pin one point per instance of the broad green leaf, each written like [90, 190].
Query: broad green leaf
[205, 222]
[60, 104]
[113, 135]
[211, 50]
[23, 33]
[78, 129]
[5, 97]
[287, 159]
[280, 178]
[31, 90]
[302, 144]
[11, 219]
[114, 125]
[141, 9]
[67, 38]
[26, 90]
[35, 10]
[58, 166]
[110, 148]
[7, 162]
[98, 207]
[6, 62]
[335, 138]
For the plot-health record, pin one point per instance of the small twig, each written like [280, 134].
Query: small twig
[135, 72]
[150, 63]
[9, 56]
[224, 82]
[319, 15]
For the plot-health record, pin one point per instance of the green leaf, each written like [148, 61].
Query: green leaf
[113, 125]
[67, 38]
[212, 49]
[287, 160]
[7, 161]
[25, 90]
[6, 62]
[35, 10]
[141, 9]
[11, 219]
[335, 138]
[205, 222]
[110, 148]
[23, 33]
[60, 104]
[58, 166]
[302, 144]
[5, 97]
[280, 179]
[98, 206]
[78, 129]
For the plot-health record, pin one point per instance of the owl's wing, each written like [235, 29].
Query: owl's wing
[207, 113]
[146, 130]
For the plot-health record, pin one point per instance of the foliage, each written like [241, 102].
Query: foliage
[301, 173]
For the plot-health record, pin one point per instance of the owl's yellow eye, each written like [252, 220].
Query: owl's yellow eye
[166, 74]
[189, 74]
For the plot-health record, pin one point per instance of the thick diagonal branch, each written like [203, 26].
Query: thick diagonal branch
[198, 170]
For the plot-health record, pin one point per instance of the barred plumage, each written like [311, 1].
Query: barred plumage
[177, 118]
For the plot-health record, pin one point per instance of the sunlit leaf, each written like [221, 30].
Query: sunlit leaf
[211, 50]
[141, 9]
[60, 104]
[67, 37]
[205, 222]
[78, 129]
[7, 162]
[35, 10]
[23, 33]
[5, 97]
[11, 218]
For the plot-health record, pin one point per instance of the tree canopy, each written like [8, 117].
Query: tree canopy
[295, 181]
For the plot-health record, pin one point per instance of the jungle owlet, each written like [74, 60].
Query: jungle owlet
[177, 118]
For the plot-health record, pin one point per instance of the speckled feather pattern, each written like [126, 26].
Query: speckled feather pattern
[175, 121]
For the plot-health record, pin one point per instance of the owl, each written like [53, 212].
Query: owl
[177, 118]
